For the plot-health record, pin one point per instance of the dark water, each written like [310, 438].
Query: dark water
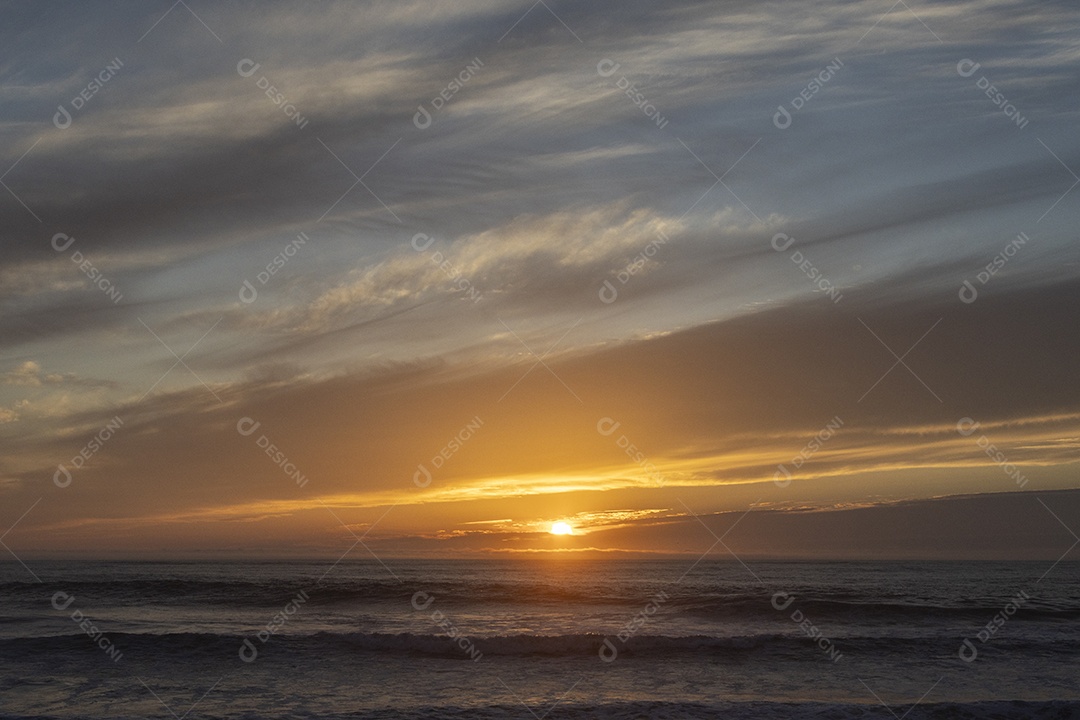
[540, 638]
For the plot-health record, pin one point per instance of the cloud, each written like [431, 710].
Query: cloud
[527, 262]
[29, 373]
[709, 407]
[538, 181]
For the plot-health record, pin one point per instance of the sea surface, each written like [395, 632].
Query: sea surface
[540, 638]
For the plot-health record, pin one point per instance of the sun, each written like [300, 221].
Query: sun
[561, 528]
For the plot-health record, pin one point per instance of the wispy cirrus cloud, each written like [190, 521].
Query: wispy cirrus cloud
[539, 179]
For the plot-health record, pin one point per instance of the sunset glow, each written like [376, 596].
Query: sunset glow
[540, 302]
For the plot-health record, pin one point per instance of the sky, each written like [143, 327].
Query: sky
[389, 279]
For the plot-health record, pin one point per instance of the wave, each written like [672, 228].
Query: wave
[748, 710]
[234, 594]
[460, 646]
[822, 609]
[167, 592]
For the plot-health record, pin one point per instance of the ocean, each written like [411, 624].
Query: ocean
[540, 638]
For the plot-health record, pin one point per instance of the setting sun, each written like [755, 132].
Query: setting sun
[561, 528]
